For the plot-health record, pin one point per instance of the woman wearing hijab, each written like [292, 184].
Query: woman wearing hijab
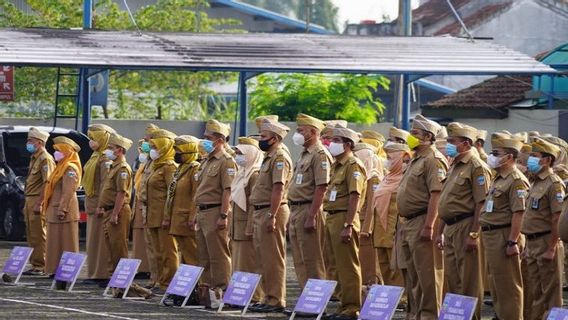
[94, 174]
[60, 205]
[159, 180]
[180, 205]
[138, 241]
[249, 159]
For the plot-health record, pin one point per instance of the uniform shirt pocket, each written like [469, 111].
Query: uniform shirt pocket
[213, 170]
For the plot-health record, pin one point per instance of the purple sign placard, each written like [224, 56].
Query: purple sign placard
[315, 296]
[457, 307]
[124, 273]
[241, 288]
[558, 314]
[184, 280]
[381, 302]
[17, 260]
[69, 266]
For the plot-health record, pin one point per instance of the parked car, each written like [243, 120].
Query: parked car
[14, 163]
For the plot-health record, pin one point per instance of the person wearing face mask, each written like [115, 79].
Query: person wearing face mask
[161, 176]
[41, 167]
[540, 227]
[417, 202]
[370, 269]
[212, 197]
[142, 196]
[139, 250]
[307, 220]
[179, 216]
[270, 118]
[244, 257]
[60, 205]
[114, 200]
[328, 130]
[343, 202]
[94, 173]
[500, 222]
[461, 200]
[269, 198]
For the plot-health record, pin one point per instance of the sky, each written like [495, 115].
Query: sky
[357, 10]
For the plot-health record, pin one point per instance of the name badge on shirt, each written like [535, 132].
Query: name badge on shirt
[332, 195]
[299, 178]
[535, 203]
[489, 206]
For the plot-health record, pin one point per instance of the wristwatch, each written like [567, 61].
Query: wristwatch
[347, 225]
[511, 243]
[474, 235]
[270, 215]
[224, 216]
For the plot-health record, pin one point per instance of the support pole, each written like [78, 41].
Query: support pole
[403, 92]
[243, 109]
[84, 78]
[405, 102]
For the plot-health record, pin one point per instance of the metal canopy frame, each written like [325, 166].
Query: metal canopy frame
[251, 54]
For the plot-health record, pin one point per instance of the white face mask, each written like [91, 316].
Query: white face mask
[387, 164]
[154, 154]
[58, 156]
[336, 149]
[142, 158]
[298, 139]
[110, 155]
[241, 160]
[493, 161]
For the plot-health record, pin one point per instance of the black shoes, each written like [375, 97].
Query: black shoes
[34, 272]
[265, 308]
[339, 316]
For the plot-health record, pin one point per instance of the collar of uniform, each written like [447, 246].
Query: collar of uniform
[273, 152]
[544, 174]
[505, 173]
[117, 162]
[425, 152]
[313, 147]
[343, 161]
[466, 156]
[219, 154]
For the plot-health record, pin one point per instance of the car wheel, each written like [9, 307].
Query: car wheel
[12, 227]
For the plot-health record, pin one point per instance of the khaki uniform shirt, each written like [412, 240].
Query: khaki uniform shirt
[157, 192]
[310, 171]
[118, 179]
[347, 176]
[546, 196]
[180, 208]
[41, 167]
[372, 187]
[467, 184]
[142, 194]
[276, 168]
[215, 176]
[507, 195]
[423, 176]
[64, 198]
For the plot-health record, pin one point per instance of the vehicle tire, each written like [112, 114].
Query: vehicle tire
[12, 226]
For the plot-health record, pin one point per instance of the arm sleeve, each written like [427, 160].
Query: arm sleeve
[556, 196]
[280, 170]
[69, 182]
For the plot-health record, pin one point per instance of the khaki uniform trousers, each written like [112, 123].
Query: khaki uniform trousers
[271, 247]
[425, 278]
[370, 268]
[213, 247]
[116, 236]
[462, 268]
[307, 246]
[390, 277]
[348, 266]
[165, 254]
[35, 232]
[152, 261]
[60, 237]
[506, 283]
[245, 259]
[139, 250]
[187, 246]
[98, 256]
[544, 278]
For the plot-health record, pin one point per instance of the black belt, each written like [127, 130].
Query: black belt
[108, 208]
[208, 206]
[532, 236]
[299, 203]
[332, 212]
[412, 216]
[490, 227]
[264, 206]
[457, 219]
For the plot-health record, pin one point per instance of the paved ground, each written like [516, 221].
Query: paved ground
[37, 301]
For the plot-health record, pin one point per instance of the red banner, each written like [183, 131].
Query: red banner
[6, 83]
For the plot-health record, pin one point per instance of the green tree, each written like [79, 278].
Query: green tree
[347, 97]
[134, 94]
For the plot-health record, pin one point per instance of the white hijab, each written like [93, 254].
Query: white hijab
[253, 157]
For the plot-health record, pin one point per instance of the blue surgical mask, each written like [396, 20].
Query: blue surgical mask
[451, 150]
[146, 147]
[31, 147]
[533, 164]
[208, 146]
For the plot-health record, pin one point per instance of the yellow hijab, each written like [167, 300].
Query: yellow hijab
[377, 144]
[165, 147]
[88, 182]
[71, 159]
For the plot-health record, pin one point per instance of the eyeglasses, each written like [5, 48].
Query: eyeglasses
[497, 153]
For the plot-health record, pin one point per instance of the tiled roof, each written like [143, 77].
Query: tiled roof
[435, 10]
[497, 92]
[475, 19]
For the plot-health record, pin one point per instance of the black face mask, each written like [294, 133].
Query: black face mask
[178, 158]
[264, 145]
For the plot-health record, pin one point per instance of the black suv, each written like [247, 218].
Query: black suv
[14, 163]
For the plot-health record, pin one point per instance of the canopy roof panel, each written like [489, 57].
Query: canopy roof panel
[262, 52]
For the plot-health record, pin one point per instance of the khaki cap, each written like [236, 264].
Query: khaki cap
[442, 133]
[398, 133]
[420, 122]
[260, 120]
[214, 126]
[524, 136]
[330, 124]
[527, 148]
[248, 141]
[38, 134]
[513, 143]
[345, 133]
[541, 145]
[362, 145]
[456, 129]
[497, 139]
[163, 133]
[67, 141]
[305, 120]
[274, 127]
[150, 127]
[370, 134]
[557, 141]
[481, 135]
[185, 139]
[120, 141]
[394, 147]
[101, 127]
